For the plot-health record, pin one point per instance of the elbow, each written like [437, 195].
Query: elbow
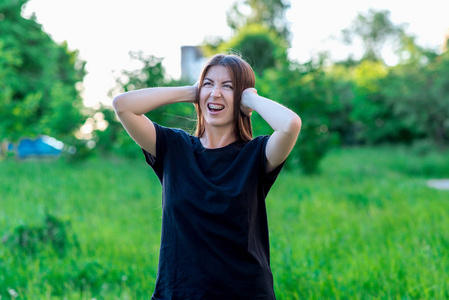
[117, 103]
[293, 125]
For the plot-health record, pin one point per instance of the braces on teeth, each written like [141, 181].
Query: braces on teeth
[213, 106]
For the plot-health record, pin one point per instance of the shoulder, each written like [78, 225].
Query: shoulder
[169, 133]
[170, 130]
[169, 142]
[255, 147]
[259, 141]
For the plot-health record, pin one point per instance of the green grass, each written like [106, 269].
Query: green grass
[366, 227]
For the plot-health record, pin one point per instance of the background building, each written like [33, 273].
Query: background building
[192, 62]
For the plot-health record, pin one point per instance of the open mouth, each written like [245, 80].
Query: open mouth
[215, 107]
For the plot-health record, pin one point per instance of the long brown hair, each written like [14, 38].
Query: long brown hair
[242, 78]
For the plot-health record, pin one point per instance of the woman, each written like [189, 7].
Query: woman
[214, 242]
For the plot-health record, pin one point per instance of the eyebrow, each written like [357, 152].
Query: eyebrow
[214, 81]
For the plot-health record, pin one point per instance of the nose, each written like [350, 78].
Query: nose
[216, 92]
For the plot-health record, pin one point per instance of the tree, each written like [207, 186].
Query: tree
[370, 112]
[401, 104]
[374, 29]
[38, 80]
[263, 16]
[260, 46]
[309, 91]
[152, 73]
[417, 94]
[270, 13]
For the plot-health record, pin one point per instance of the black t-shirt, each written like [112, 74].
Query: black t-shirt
[214, 242]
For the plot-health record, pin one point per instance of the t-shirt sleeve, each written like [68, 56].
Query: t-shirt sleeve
[270, 177]
[156, 162]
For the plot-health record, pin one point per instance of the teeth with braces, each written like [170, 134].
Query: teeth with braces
[213, 106]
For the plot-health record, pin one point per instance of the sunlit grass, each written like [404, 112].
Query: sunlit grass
[366, 227]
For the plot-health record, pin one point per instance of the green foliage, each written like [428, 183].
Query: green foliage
[374, 29]
[418, 96]
[114, 139]
[37, 79]
[366, 227]
[269, 13]
[31, 240]
[261, 36]
[309, 92]
[406, 103]
[397, 104]
[151, 74]
[106, 139]
[350, 102]
[261, 47]
[369, 109]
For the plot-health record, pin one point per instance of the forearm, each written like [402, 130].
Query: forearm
[280, 118]
[285, 123]
[142, 101]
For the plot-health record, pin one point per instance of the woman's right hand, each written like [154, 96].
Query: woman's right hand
[197, 90]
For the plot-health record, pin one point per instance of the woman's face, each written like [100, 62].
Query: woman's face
[217, 97]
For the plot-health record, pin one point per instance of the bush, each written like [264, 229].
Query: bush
[310, 93]
[54, 234]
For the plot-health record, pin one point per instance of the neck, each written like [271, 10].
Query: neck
[217, 137]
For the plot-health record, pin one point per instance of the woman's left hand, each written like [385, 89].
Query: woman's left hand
[244, 106]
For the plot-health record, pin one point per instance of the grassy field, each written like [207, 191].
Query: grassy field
[366, 227]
